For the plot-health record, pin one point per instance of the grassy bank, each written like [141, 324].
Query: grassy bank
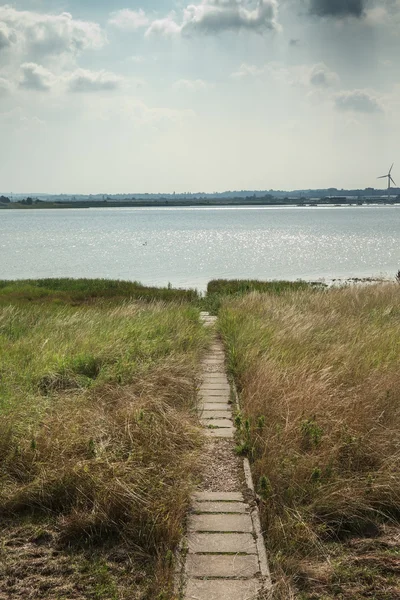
[88, 290]
[98, 447]
[318, 374]
[219, 289]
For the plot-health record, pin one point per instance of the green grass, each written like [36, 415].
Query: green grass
[244, 286]
[97, 435]
[318, 375]
[219, 289]
[86, 290]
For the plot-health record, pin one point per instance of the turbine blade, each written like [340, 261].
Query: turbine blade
[382, 177]
[391, 169]
[393, 181]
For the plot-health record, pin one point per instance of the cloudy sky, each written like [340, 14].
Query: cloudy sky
[112, 96]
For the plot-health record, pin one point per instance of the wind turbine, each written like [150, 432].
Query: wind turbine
[389, 178]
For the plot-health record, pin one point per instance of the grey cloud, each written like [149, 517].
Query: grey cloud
[4, 87]
[357, 101]
[318, 78]
[215, 16]
[35, 77]
[322, 76]
[84, 80]
[7, 36]
[338, 8]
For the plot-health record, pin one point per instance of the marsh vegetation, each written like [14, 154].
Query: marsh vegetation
[98, 443]
[99, 446]
[318, 375]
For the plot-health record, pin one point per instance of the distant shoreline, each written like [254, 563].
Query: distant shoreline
[196, 203]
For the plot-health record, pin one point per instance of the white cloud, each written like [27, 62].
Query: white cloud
[358, 101]
[248, 70]
[190, 84]
[18, 119]
[83, 80]
[129, 20]
[35, 77]
[386, 13]
[33, 34]
[318, 75]
[377, 15]
[216, 16]
[7, 35]
[166, 27]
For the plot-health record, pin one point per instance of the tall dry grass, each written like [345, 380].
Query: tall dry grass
[319, 377]
[96, 428]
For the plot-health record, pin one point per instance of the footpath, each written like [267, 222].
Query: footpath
[226, 557]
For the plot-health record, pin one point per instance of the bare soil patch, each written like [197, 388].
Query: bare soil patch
[223, 470]
[35, 564]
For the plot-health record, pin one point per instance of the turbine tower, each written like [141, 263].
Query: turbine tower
[390, 180]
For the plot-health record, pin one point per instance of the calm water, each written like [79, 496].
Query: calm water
[188, 247]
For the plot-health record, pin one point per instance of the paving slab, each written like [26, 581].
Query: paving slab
[222, 543]
[214, 406]
[216, 414]
[226, 522]
[215, 378]
[212, 387]
[221, 496]
[220, 565]
[222, 589]
[216, 388]
[220, 507]
[223, 397]
[213, 360]
[214, 400]
[217, 423]
[220, 433]
[214, 394]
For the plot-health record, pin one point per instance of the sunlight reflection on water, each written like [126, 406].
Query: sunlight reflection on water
[188, 247]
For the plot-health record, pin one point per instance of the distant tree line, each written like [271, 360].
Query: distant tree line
[27, 201]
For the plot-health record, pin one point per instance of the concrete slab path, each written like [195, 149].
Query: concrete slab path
[225, 550]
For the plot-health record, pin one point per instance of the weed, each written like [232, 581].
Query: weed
[311, 432]
[264, 487]
[261, 422]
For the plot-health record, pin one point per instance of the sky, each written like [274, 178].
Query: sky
[124, 96]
